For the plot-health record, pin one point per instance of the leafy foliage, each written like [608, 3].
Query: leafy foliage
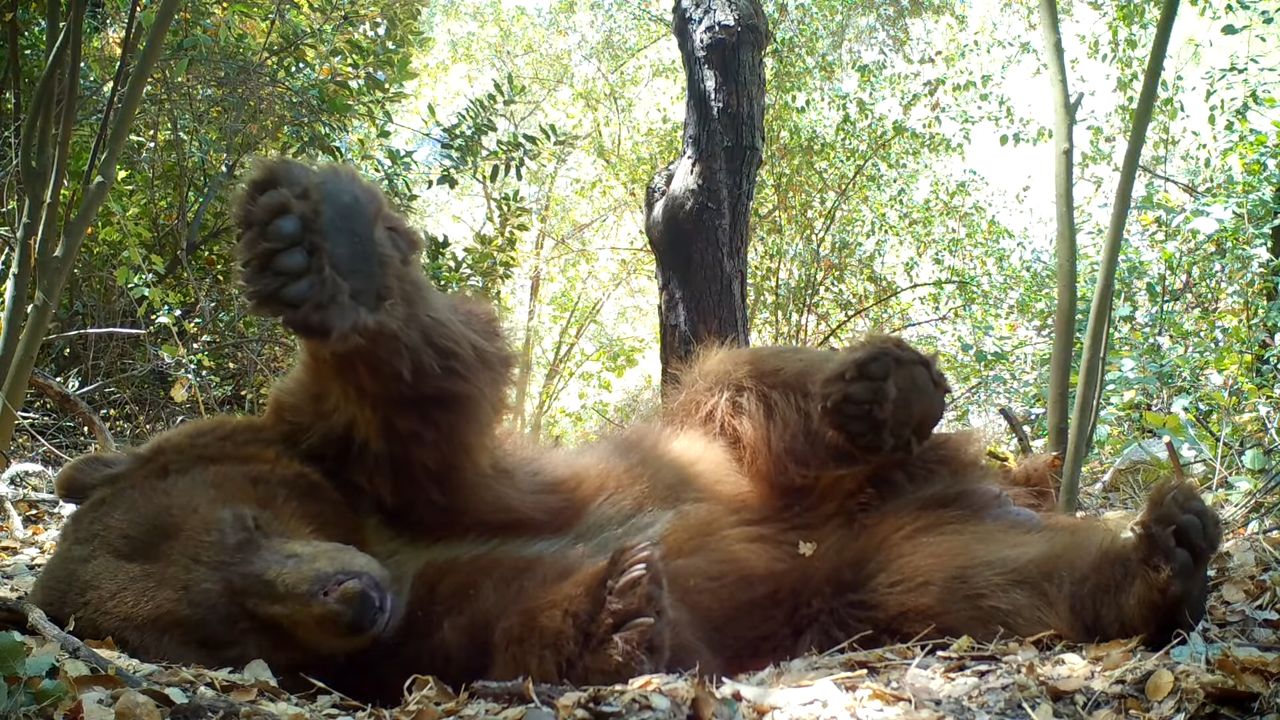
[27, 680]
[521, 137]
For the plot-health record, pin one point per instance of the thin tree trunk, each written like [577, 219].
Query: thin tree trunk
[698, 208]
[1093, 357]
[1064, 320]
[35, 167]
[1267, 360]
[53, 276]
[525, 369]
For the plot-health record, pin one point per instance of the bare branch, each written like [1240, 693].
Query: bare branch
[1184, 187]
[1015, 424]
[128, 43]
[76, 407]
[42, 101]
[880, 301]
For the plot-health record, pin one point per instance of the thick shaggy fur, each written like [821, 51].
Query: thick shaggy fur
[373, 524]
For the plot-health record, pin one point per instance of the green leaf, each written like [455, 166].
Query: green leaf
[13, 655]
[1230, 29]
[38, 665]
[49, 692]
[1254, 459]
[1155, 420]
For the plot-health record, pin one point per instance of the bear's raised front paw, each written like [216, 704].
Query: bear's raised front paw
[1178, 534]
[630, 635]
[310, 246]
[884, 396]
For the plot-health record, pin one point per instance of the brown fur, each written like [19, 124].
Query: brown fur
[786, 500]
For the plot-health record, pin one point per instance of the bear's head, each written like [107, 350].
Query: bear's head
[210, 545]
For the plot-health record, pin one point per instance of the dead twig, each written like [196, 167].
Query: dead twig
[507, 692]
[40, 623]
[74, 406]
[1178, 472]
[1024, 442]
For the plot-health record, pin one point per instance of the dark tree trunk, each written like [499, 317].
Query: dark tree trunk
[698, 208]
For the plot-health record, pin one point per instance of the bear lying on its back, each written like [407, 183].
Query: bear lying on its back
[373, 524]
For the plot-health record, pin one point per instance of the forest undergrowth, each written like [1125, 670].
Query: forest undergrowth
[1229, 666]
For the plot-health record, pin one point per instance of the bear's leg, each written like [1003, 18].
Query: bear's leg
[399, 387]
[801, 418]
[952, 574]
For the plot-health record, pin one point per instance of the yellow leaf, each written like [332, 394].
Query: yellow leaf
[181, 389]
[1159, 685]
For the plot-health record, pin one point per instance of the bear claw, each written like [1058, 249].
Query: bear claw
[631, 631]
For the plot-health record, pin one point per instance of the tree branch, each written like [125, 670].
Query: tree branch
[1188, 189]
[128, 43]
[880, 301]
[1015, 424]
[75, 407]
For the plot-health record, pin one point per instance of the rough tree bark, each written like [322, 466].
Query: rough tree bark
[1064, 323]
[1094, 355]
[698, 208]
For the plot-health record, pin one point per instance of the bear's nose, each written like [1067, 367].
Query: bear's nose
[364, 600]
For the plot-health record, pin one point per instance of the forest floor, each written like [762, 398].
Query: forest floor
[1229, 667]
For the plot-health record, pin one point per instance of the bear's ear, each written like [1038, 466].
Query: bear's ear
[81, 478]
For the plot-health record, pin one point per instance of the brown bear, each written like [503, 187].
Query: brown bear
[374, 524]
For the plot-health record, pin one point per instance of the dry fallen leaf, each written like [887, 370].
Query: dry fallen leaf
[1233, 593]
[1069, 683]
[84, 683]
[1044, 711]
[258, 670]
[133, 705]
[1159, 685]
[704, 703]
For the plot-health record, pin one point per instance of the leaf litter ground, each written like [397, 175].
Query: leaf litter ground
[1229, 667]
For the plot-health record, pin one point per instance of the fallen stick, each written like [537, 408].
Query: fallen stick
[513, 692]
[39, 622]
